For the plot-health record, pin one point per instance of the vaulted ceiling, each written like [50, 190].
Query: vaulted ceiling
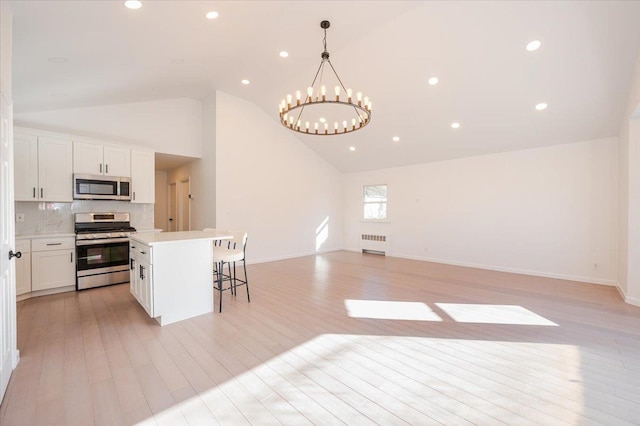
[487, 81]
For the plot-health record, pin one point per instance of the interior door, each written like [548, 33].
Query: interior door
[8, 348]
[184, 206]
[173, 208]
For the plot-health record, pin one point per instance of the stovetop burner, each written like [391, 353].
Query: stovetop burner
[102, 225]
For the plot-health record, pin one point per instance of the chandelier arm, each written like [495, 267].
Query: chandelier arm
[359, 114]
[337, 76]
[320, 68]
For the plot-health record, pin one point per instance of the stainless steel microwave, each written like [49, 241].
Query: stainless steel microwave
[97, 187]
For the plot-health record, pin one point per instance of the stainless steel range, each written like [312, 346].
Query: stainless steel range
[102, 249]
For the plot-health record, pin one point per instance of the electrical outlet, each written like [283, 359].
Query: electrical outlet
[19, 217]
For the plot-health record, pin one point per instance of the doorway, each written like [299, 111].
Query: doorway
[179, 205]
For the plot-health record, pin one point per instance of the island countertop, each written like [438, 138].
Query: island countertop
[153, 238]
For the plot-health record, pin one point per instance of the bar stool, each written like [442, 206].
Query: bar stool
[232, 253]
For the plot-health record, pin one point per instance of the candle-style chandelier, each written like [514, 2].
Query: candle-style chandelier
[313, 113]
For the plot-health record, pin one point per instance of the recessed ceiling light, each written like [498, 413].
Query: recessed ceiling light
[133, 4]
[455, 125]
[212, 15]
[58, 60]
[352, 148]
[284, 54]
[177, 61]
[433, 81]
[245, 81]
[541, 106]
[396, 139]
[533, 45]
[323, 120]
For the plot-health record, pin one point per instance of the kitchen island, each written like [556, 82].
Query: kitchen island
[172, 273]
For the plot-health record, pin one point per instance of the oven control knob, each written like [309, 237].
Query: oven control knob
[123, 234]
[95, 236]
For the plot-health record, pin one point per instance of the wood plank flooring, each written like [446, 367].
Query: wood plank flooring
[485, 348]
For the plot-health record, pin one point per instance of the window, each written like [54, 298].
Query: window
[375, 202]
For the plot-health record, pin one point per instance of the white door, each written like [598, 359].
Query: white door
[184, 206]
[8, 349]
[173, 207]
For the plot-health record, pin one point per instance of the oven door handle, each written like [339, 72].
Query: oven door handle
[101, 241]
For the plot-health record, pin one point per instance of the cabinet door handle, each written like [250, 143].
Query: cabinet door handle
[141, 272]
[54, 244]
[134, 195]
[41, 193]
[34, 192]
[132, 262]
[143, 252]
[100, 167]
[71, 257]
[106, 168]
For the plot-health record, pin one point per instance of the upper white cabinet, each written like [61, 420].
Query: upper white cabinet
[98, 159]
[43, 168]
[143, 181]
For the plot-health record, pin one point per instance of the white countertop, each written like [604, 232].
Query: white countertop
[153, 238]
[34, 236]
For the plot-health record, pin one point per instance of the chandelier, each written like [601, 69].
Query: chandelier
[312, 113]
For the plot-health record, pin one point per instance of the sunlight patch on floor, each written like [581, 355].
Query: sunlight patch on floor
[386, 309]
[493, 314]
[422, 380]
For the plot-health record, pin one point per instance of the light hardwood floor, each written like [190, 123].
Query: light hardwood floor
[484, 348]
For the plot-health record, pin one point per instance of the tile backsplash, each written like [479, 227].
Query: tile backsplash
[49, 218]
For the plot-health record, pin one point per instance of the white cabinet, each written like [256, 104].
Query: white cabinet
[53, 263]
[143, 181]
[141, 275]
[43, 168]
[25, 152]
[99, 159]
[23, 267]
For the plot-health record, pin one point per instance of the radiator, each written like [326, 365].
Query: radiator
[376, 244]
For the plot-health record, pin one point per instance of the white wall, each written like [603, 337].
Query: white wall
[549, 211]
[170, 126]
[5, 50]
[273, 186]
[629, 194]
[202, 172]
[160, 208]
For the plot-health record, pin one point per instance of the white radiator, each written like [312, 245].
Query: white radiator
[376, 244]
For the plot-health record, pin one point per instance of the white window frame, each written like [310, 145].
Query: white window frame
[364, 203]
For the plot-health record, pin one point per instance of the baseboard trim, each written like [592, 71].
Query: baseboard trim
[290, 256]
[630, 300]
[578, 278]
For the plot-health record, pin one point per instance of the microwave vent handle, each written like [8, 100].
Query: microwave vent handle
[100, 167]
[106, 168]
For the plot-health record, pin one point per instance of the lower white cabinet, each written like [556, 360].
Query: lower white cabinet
[141, 275]
[53, 263]
[23, 267]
